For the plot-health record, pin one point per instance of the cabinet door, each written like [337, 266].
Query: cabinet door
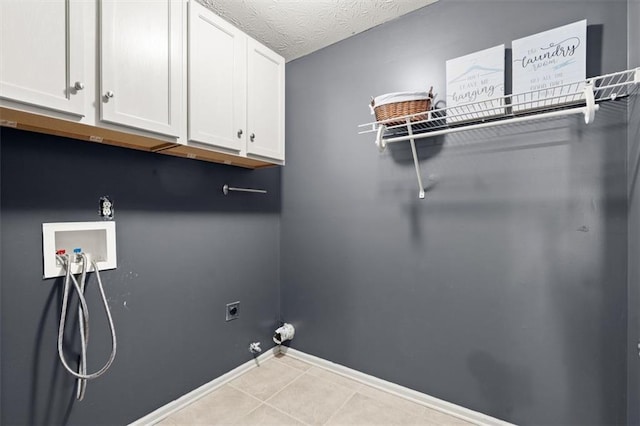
[265, 102]
[141, 57]
[217, 80]
[42, 53]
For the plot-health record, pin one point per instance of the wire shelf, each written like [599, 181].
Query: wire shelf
[503, 109]
[581, 97]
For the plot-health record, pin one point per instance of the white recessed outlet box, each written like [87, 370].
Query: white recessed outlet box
[96, 239]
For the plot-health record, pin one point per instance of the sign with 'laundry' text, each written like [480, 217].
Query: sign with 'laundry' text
[546, 65]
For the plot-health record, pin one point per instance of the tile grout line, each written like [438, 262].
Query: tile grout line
[362, 392]
[265, 401]
[309, 374]
[287, 384]
[359, 391]
[422, 415]
[278, 410]
[287, 414]
[246, 393]
[333, 381]
[352, 392]
[284, 387]
[249, 412]
[290, 366]
[341, 406]
[321, 379]
[260, 402]
[192, 397]
[306, 373]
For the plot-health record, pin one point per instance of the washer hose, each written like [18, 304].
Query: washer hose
[83, 318]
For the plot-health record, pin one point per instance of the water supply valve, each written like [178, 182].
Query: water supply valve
[254, 348]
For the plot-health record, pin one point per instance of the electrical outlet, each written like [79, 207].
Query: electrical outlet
[233, 311]
[106, 208]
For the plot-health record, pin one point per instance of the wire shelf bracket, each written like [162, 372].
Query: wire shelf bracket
[581, 97]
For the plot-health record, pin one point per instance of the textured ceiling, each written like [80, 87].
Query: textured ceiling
[295, 28]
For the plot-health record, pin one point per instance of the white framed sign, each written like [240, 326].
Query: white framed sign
[475, 85]
[546, 66]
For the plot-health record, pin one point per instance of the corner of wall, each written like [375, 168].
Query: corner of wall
[633, 185]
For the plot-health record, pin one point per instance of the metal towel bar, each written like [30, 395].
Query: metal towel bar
[227, 188]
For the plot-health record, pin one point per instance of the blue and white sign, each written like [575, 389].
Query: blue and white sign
[546, 65]
[475, 85]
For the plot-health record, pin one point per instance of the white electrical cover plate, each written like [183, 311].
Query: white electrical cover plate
[96, 239]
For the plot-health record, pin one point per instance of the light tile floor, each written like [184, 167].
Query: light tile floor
[287, 391]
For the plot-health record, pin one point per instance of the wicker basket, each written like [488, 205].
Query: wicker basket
[387, 110]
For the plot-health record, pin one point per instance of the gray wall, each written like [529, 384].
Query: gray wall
[184, 251]
[633, 169]
[505, 289]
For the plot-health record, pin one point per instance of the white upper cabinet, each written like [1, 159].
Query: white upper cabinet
[265, 116]
[217, 73]
[165, 70]
[42, 53]
[236, 89]
[141, 64]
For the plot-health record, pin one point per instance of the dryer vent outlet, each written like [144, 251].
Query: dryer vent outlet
[283, 333]
[232, 311]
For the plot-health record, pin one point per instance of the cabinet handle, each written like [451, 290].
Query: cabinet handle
[109, 94]
[240, 133]
[252, 137]
[78, 85]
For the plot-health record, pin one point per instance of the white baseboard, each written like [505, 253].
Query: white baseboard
[401, 391]
[392, 388]
[178, 404]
